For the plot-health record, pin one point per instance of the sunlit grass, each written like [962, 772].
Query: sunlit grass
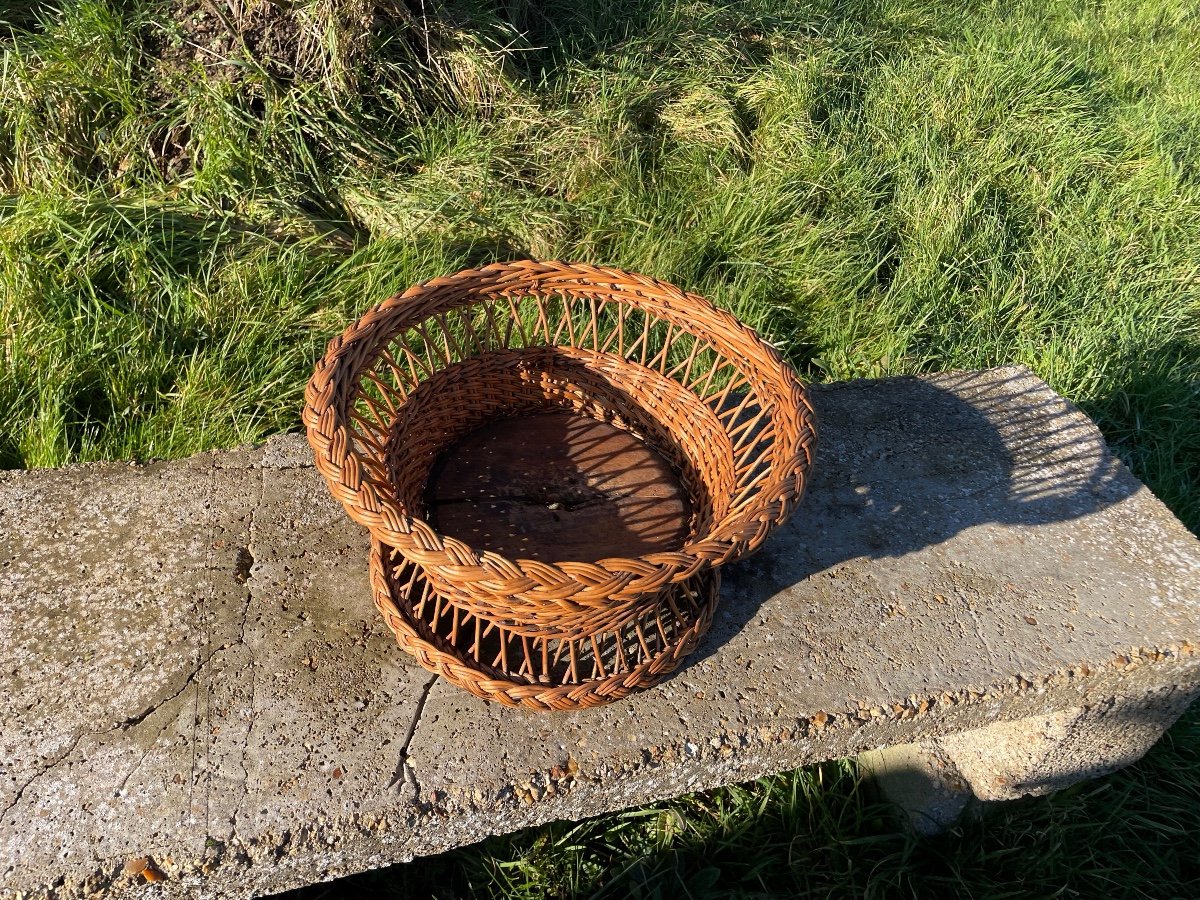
[879, 187]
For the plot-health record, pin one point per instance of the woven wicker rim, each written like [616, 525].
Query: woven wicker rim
[357, 482]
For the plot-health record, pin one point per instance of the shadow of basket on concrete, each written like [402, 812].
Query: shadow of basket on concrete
[910, 468]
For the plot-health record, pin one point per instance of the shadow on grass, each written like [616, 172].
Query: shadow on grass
[1150, 415]
[572, 33]
[10, 453]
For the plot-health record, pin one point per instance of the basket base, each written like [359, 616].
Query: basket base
[495, 664]
[557, 487]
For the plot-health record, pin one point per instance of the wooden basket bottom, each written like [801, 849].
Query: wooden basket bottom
[495, 663]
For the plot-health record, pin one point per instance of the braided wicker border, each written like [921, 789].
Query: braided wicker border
[772, 422]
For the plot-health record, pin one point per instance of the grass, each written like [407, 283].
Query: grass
[197, 196]
[820, 832]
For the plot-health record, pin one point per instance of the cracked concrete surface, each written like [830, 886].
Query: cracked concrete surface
[404, 770]
[194, 674]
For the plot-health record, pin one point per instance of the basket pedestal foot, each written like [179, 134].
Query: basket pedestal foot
[544, 673]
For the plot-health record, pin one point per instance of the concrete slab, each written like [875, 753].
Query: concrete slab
[200, 699]
[922, 782]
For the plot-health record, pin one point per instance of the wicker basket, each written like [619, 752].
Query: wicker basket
[425, 369]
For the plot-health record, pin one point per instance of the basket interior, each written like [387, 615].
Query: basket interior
[440, 376]
[637, 445]
[555, 487]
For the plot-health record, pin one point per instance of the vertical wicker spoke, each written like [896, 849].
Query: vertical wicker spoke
[618, 332]
[594, 312]
[682, 372]
[436, 353]
[674, 605]
[451, 339]
[496, 337]
[422, 598]
[565, 327]
[706, 380]
[597, 658]
[645, 653]
[473, 341]
[542, 323]
[573, 671]
[525, 670]
[659, 361]
[402, 380]
[636, 335]
[513, 325]
[418, 369]
[619, 638]
[647, 336]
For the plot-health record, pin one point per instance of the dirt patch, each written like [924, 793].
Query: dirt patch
[237, 41]
[411, 55]
[289, 41]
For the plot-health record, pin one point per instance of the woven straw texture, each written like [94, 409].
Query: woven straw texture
[427, 367]
[545, 674]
